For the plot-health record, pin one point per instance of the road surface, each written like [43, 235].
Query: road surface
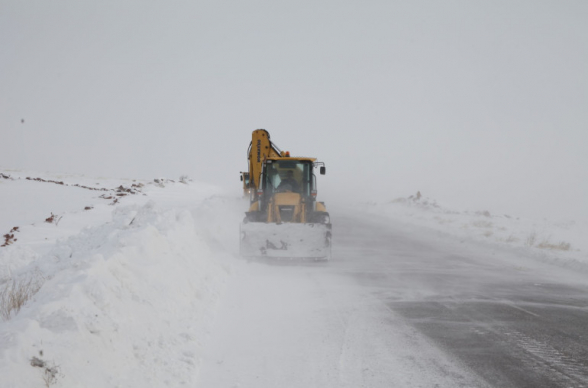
[400, 306]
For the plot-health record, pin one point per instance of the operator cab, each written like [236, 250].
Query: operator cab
[288, 176]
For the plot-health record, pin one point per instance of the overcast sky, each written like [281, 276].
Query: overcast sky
[478, 104]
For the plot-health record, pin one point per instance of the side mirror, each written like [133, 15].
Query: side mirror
[241, 178]
[323, 170]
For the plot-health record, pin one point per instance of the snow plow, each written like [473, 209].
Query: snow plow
[284, 219]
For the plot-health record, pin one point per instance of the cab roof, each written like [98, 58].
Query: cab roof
[293, 158]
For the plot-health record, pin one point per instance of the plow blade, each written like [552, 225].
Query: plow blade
[286, 240]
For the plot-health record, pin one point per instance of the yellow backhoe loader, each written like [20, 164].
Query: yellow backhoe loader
[284, 219]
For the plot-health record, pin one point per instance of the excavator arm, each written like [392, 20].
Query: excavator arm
[260, 148]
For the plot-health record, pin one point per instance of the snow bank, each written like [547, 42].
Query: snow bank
[127, 302]
[560, 243]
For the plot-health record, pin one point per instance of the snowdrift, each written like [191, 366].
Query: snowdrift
[126, 302]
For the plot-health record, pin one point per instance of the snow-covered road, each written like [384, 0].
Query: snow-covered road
[309, 325]
[400, 306]
[511, 319]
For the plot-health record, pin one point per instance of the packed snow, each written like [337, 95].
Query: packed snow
[136, 283]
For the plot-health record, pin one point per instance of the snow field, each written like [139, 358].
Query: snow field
[124, 303]
[561, 243]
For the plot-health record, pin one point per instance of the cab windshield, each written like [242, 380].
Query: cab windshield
[288, 176]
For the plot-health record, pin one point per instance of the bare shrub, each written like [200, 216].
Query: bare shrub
[546, 244]
[50, 370]
[160, 182]
[54, 219]
[37, 362]
[16, 293]
[50, 375]
[9, 237]
[561, 246]
[134, 189]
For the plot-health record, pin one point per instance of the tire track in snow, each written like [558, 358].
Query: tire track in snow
[563, 368]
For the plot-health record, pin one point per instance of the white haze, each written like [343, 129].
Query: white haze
[477, 104]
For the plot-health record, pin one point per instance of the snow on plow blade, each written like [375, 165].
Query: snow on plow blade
[287, 240]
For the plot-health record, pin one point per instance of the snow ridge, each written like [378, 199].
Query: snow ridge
[124, 303]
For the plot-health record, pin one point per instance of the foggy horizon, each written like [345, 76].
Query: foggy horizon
[477, 105]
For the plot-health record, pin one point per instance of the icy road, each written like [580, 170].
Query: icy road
[400, 306]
